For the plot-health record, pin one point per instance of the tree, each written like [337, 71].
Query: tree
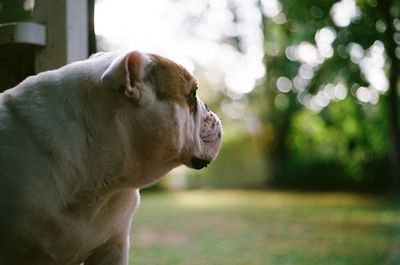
[317, 53]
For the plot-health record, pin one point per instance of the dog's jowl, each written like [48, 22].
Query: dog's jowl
[77, 144]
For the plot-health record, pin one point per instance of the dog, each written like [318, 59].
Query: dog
[77, 144]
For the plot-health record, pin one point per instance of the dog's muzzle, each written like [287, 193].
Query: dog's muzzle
[209, 138]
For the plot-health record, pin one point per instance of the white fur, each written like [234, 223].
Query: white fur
[73, 155]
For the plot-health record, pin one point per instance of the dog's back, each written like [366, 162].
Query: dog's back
[25, 185]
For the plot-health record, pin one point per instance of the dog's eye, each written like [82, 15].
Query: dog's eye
[192, 100]
[193, 95]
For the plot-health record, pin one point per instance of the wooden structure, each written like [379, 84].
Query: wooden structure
[58, 35]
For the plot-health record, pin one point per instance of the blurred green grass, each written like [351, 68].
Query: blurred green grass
[258, 228]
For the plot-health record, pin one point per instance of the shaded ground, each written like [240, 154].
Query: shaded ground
[261, 228]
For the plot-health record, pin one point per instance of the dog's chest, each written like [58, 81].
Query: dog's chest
[70, 237]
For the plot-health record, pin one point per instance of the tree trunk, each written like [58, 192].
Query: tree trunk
[92, 35]
[393, 75]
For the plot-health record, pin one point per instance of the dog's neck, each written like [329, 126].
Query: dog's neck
[113, 157]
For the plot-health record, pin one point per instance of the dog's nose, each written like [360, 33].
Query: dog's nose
[198, 163]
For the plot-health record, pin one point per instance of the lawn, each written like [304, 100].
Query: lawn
[261, 228]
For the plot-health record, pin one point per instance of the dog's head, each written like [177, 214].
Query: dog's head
[171, 119]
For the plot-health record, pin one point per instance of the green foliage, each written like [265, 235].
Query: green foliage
[339, 145]
[343, 147]
[14, 10]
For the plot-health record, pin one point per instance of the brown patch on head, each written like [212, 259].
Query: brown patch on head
[171, 81]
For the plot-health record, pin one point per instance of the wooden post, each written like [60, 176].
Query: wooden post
[67, 32]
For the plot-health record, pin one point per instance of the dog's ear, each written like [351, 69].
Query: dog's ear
[126, 74]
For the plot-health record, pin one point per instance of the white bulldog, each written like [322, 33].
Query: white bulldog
[77, 144]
